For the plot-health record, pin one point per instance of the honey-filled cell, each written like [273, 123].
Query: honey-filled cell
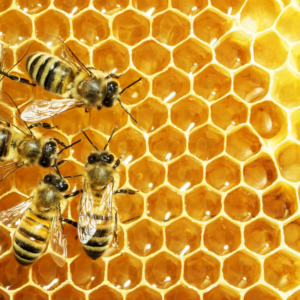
[182, 292]
[261, 292]
[5, 5]
[5, 240]
[143, 293]
[228, 6]
[71, 7]
[30, 292]
[291, 234]
[68, 292]
[32, 7]
[110, 7]
[4, 295]
[221, 292]
[105, 293]
[190, 7]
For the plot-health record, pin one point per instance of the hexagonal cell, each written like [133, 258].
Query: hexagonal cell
[261, 292]
[110, 7]
[287, 22]
[281, 270]
[129, 206]
[222, 237]
[280, 202]
[286, 88]
[125, 272]
[73, 7]
[182, 292]
[242, 204]
[269, 121]
[260, 172]
[185, 173]
[143, 293]
[146, 174]
[130, 27]
[144, 238]
[228, 6]
[251, 84]
[30, 292]
[241, 270]
[295, 56]
[90, 27]
[234, 50]
[51, 21]
[243, 143]
[150, 57]
[111, 57]
[162, 270]
[201, 270]
[294, 296]
[203, 204]
[171, 85]
[110, 118]
[191, 7]
[206, 142]
[15, 24]
[68, 292]
[167, 144]
[170, 28]
[258, 15]
[262, 236]
[212, 83]
[191, 56]
[130, 141]
[164, 205]
[183, 236]
[47, 274]
[4, 295]
[223, 174]
[209, 26]
[87, 273]
[5, 5]
[73, 246]
[270, 50]
[291, 234]
[288, 159]
[5, 240]
[221, 292]
[229, 112]
[150, 7]
[189, 112]
[105, 293]
[138, 91]
[13, 275]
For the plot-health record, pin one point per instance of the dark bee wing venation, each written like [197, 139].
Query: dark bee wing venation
[39, 110]
[58, 239]
[65, 52]
[86, 221]
[12, 216]
[9, 118]
[9, 168]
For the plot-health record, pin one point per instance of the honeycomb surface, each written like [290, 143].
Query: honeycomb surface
[216, 150]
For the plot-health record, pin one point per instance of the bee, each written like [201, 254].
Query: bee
[68, 77]
[21, 147]
[98, 219]
[39, 220]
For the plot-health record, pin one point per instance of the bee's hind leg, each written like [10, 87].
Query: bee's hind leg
[41, 124]
[116, 240]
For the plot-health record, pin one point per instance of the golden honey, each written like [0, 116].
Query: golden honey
[215, 151]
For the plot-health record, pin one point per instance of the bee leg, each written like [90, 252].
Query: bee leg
[126, 191]
[111, 75]
[68, 221]
[62, 161]
[17, 78]
[59, 142]
[41, 124]
[116, 240]
[73, 194]
[6, 123]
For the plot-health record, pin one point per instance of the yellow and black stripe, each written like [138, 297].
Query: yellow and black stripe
[49, 72]
[5, 136]
[31, 238]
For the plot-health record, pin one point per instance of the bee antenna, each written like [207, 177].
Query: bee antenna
[89, 139]
[110, 137]
[69, 146]
[127, 87]
[57, 170]
[127, 111]
[73, 176]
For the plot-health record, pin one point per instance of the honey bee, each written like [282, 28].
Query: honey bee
[98, 218]
[68, 77]
[21, 146]
[39, 220]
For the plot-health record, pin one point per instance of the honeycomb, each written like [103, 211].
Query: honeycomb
[216, 150]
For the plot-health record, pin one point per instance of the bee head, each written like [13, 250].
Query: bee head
[103, 157]
[60, 183]
[112, 94]
[49, 153]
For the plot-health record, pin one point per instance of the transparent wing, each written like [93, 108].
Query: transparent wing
[39, 110]
[58, 240]
[9, 118]
[9, 168]
[12, 216]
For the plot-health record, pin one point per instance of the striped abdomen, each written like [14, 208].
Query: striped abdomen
[49, 72]
[31, 238]
[101, 240]
[5, 138]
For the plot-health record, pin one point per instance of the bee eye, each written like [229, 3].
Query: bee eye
[108, 158]
[45, 162]
[108, 102]
[91, 159]
[62, 186]
[47, 178]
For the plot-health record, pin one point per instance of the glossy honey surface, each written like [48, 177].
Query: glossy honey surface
[216, 150]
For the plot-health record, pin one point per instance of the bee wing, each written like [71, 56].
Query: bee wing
[9, 118]
[12, 216]
[58, 239]
[39, 110]
[9, 168]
